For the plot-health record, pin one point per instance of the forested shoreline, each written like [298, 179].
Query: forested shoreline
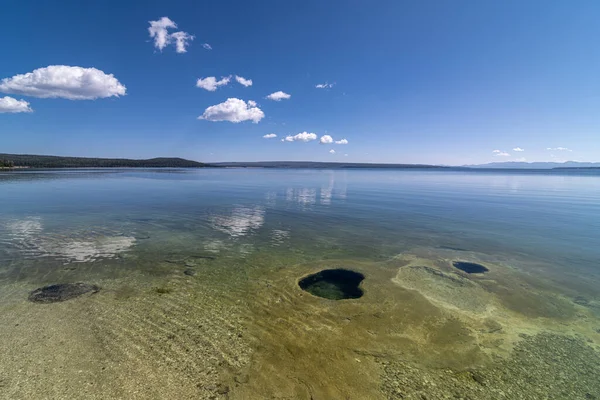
[36, 161]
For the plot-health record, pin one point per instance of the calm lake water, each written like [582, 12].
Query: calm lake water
[143, 233]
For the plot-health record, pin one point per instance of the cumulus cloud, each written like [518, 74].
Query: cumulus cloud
[243, 81]
[159, 31]
[270, 136]
[301, 137]
[500, 153]
[207, 46]
[518, 149]
[211, 83]
[343, 141]
[325, 85]
[326, 139]
[278, 96]
[332, 151]
[233, 110]
[62, 81]
[558, 149]
[10, 105]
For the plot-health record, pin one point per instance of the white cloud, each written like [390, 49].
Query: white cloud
[278, 96]
[243, 81]
[207, 46]
[332, 151]
[301, 137]
[518, 149]
[343, 141]
[251, 103]
[181, 41]
[326, 139]
[270, 136]
[233, 110]
[62, 81]
[211, 83]
[500, 153]
[159, 31]
[10, 105]
[325, 85]
[558, 149]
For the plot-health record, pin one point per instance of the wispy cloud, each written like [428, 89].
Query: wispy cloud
[211, 83]
[10, 105]
[207, 46]
[558, 149]
[278, 96]
[500, 153]
[332, 151]
[324, 85]
[181, 41]
[62, 81]
[301, 137]
[159, 31]
[243, 81]
[518, 149]
[233, 110]
[270, 136]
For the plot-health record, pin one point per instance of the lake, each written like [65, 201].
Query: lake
[196, 278]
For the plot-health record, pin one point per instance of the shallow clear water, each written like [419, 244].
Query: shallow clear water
[546, 216]
[244, 225]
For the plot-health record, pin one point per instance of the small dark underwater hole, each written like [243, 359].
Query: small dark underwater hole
[333, 284]
[469, 267]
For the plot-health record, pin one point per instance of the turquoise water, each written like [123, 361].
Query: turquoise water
[198, 273]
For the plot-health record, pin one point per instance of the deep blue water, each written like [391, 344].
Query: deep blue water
[549, 217]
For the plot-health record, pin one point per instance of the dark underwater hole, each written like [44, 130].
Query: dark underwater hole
[61, 292]
[333, 284]
[469, 267]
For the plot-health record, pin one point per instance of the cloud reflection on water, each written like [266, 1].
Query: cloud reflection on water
[240, 222]
[29, 239]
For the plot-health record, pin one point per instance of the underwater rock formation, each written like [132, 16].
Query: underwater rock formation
[61, 292]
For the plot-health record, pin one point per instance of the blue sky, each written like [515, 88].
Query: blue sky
[412, 81]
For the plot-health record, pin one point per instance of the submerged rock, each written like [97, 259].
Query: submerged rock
[470, 267]
[333, 284]
[61, 292]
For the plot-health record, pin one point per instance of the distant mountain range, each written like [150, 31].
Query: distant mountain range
[35, 161]
[536, 165]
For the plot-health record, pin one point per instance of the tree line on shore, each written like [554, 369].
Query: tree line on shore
[6, 163]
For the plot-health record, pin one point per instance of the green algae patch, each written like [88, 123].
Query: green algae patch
[334, 284]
